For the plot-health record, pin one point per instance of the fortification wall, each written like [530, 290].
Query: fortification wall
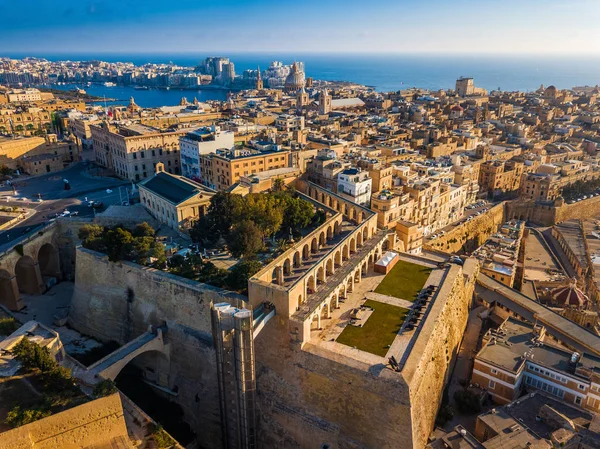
[470, 235]
[118, 301]
[433, 356]
[309, 398]
[548, 215]
[90, 424]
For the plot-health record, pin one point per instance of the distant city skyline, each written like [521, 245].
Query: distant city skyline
[463, 26]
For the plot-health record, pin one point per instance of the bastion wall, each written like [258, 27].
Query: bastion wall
[118, 301]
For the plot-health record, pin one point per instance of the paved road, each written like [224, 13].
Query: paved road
[55, 199]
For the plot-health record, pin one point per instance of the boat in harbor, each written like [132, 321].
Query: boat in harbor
[141, 87]
[109, 84]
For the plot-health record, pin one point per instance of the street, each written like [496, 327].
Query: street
[55, 199]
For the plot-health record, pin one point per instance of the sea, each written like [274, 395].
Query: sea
[385, 72]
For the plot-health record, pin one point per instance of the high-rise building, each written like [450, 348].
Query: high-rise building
[228, 74]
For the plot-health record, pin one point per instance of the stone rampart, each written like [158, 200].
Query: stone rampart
[95, 423]
[118, 301]
[471, 234]
[548, 215]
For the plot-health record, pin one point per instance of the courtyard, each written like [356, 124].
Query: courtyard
[404, 281]
[378, 332]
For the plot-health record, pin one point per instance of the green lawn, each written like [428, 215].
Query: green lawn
[404, 281]
[378, 332]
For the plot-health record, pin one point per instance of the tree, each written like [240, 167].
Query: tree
[5, 170]
[143, 230]
[245, 239]
[141, 248]
[278, 185]
[118, 244]
[298, 213]
[241, 272]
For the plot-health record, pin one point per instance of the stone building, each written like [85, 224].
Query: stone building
[174, 200]
[518, 356]
[224, 168]
[132, 151]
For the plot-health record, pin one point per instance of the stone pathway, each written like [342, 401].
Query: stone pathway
[389, 300]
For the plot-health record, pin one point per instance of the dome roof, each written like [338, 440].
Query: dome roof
[551, 89]
[569, 295]
[295, 80]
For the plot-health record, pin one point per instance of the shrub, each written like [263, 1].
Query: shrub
[104, 388]
[8, 326]
[162, 439]
[18, 417]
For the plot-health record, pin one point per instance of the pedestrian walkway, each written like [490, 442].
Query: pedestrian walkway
[389, 300]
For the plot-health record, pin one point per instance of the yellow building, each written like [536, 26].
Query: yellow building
[225, 168]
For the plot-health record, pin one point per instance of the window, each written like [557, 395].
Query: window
[492, 385]
[494, 371]
[142, 154]
[581, 387]
[153, 152]
[578, 400]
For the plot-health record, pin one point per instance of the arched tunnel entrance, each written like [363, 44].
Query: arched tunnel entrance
[139, 380]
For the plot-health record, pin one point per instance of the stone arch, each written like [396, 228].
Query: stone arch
[9, 291]
[359, 218]
[370, 260]
[343, 292]
[353, 213]
[322, 238]
[357, 276]
[359, 239]
[287, 267]
[320, 275]
[325, 311]
[329, 267]
[276, 275]
[336, 228]
[316, 319]
[365, 234]
[329, 232]
[297, 259]
[49, 260]
[352, 245]
[327, 200]
[337, 259]
[333, 303]
[364, 269]
[29, 278]
[345, 253]
[334, 204]
[386, 245]
[310, 284]
[314, 245]
[305, 252]
[349, 285]
[155, 365]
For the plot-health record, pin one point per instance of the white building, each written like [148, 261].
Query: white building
[202, 141]
[355, 185]
[288, 123]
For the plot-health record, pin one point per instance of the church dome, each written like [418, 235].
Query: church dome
[569, 295]
[295, 80]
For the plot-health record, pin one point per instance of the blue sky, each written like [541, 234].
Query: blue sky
[450, 26]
